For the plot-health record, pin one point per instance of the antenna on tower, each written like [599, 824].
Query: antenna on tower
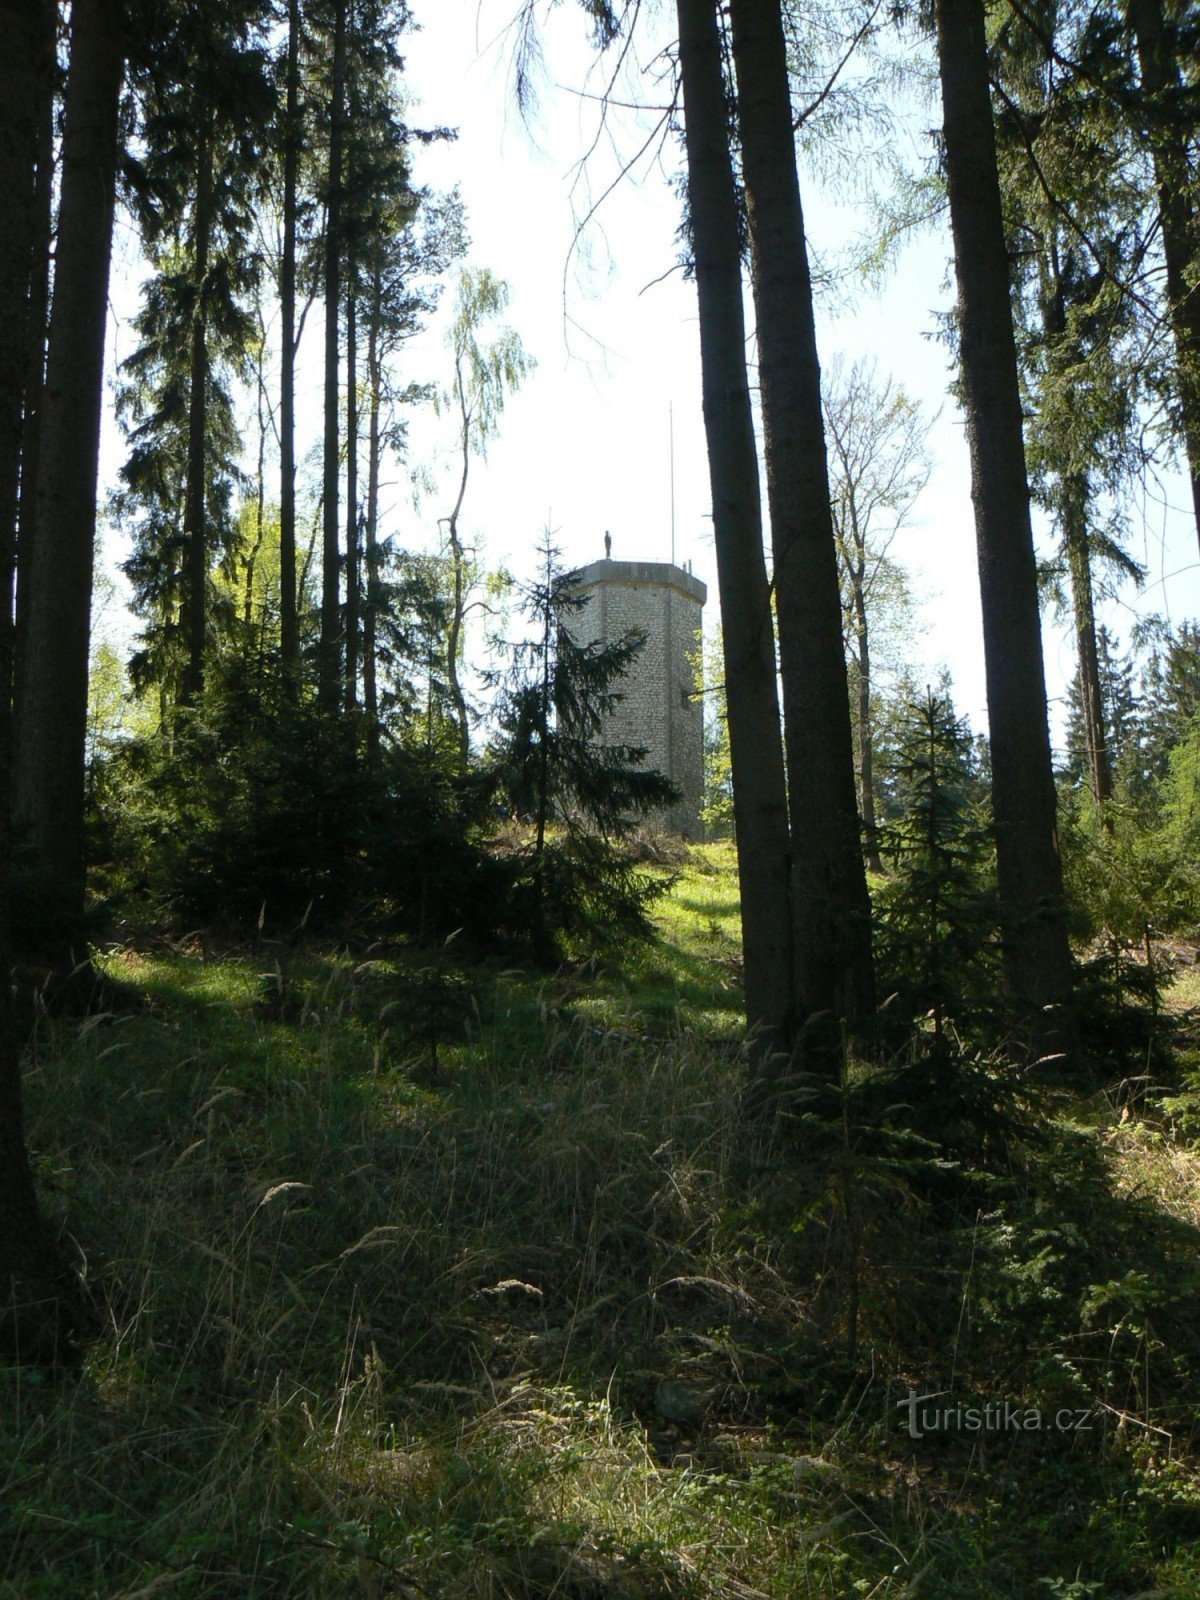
[671, 433]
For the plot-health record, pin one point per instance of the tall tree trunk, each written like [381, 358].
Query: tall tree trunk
[25, 95]
[352, 572]
[39, 1311]
[35, 1315]
[51, 704]
[1091, 694]
[755, 744]
[195, 531]
[545, 718]
[1074, 498]
[834, 974]
[454, 644]
[458, 598]
[289, 637]
[38, 311]
[1160, 82]
[329, 666]
[866, 732]
[1037, 959]
[370, 686]
[260, 479]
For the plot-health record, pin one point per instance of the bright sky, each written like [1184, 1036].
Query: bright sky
[585, 445]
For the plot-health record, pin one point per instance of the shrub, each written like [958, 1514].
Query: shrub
[255, 811]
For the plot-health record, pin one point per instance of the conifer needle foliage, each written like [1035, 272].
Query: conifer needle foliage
[936, 910]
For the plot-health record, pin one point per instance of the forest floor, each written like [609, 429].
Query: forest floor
[427, 1281]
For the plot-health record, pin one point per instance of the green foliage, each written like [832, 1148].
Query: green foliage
[1170, 689]
[204, 104]
[555, 698]
[1133, 873]
[1074, 184]
[937, 919]
[413, 598]
[485, 373]
[558, 1324]
[558, 774]
[1127, 876]
[915, 1147]
[717, 814]
[149, 506]
[1118, 998]
[434, 1005]
[1121, 713]
[254, 812]
[583, 892]
[1182, 793]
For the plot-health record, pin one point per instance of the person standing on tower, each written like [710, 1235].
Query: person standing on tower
[608, 546]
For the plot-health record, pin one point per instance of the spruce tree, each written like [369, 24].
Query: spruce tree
[1165, 42]
[289, 137]
[1072, 194]
[555, 765]
[559, 775]
[329, 648]
[205, 106]
[937, 913]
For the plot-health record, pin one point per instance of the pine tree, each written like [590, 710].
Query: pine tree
[409, 612]
[37, 314]
[1161, 36]
[329, 648]
[398, 241]
[556, 767]
[1170, 695]
[1072, 193]
[26, 91]
[155, 407]
[289, 137]
[418, 238]
[938, 925]
[559, 775]
[26, 1252]
[205, 104]
[1121, 712]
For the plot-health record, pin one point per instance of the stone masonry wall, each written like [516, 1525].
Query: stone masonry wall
[659, 708]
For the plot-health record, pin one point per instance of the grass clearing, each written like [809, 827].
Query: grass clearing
[491, 1295]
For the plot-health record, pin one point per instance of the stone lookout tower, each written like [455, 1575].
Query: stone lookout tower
[659, 709]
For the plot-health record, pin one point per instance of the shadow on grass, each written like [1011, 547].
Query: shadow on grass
[523, 1318]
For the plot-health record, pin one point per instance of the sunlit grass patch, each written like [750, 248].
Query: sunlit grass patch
[1184, 991]
[493, 1294]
